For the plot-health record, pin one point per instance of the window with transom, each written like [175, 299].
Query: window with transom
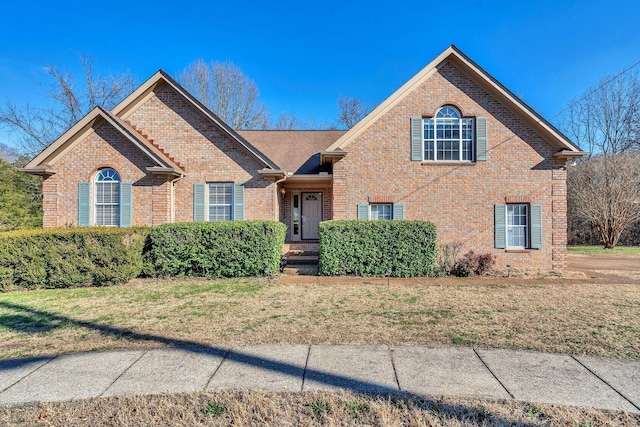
[448, 136]
[107, 198]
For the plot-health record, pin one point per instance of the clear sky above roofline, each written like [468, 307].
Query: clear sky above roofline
[303, 56]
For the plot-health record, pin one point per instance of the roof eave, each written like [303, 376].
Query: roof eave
[273, 173]
[42, 171]
[568, 155]
[158, 170]
[331, 156]
[322, 176]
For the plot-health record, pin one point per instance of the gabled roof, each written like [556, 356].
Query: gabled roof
[43, 163]
[161, 77]
[474, 71]
[296, 151]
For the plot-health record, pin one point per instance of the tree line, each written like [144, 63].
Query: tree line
[603, 189]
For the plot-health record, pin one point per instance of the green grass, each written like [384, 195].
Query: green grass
[555, 315]
[627, 250]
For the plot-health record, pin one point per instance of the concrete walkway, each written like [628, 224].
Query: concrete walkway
[426, 371]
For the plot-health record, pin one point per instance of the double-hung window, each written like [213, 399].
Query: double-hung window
[448, 136]
[518, 226]
[220, 201]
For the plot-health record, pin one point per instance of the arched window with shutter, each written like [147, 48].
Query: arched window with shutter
[107, 198]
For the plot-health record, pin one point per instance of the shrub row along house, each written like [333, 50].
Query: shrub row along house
[452, 146]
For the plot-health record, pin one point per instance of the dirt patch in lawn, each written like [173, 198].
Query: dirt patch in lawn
[251, 408]
[606, 268]
[616, 262]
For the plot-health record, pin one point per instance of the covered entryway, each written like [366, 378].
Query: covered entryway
[311, 214]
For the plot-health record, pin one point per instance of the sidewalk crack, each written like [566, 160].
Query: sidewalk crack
[304, 373]
[123, 372]
[26, 375]
[494, 375]
[602, 379]
[393, 366]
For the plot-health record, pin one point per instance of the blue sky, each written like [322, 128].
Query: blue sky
[304, 55]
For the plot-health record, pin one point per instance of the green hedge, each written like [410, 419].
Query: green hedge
[217, 249]
[70, 257]
[372, 248]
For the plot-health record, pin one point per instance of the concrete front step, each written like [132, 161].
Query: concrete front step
[301, 270]
[302, 260]
[299, 247]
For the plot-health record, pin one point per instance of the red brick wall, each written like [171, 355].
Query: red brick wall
[207, 153]
[183, 132]
[105, 147]
[458, 198]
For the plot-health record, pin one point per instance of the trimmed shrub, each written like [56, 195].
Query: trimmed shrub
[70, 257]
[373, 248]
[217, 249]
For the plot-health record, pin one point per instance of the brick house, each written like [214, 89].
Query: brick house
[452, 146]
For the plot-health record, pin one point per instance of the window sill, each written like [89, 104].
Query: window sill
[517, 251]
[439, 163]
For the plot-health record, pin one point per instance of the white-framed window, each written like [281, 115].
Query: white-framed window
[220, 201]
[107, 198]
[448, 136]
[381, 211]
[517, 226]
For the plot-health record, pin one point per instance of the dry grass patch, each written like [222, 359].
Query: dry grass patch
[256, 408]
[554, 315]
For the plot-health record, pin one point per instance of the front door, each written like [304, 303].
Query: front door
[311, 215]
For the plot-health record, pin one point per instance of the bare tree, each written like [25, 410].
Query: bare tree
[351, 110]
[289, 121]
[607, 119]
[228, 92]
[34, 128]
[7, 153]
[604, 189]
[604, 193]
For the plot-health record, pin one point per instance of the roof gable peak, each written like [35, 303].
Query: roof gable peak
[73, 136]
[145, 90]
[473, 70]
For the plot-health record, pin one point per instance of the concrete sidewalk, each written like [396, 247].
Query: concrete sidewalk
[495, 374]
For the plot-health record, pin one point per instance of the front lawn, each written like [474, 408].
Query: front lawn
[555, 315]
[630, 250]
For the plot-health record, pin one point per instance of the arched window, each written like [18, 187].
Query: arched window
[107, 198]
[448, 136]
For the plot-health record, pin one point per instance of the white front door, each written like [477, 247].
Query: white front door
[311, 214]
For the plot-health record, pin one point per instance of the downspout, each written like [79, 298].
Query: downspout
[172, 196]
[276, 213]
